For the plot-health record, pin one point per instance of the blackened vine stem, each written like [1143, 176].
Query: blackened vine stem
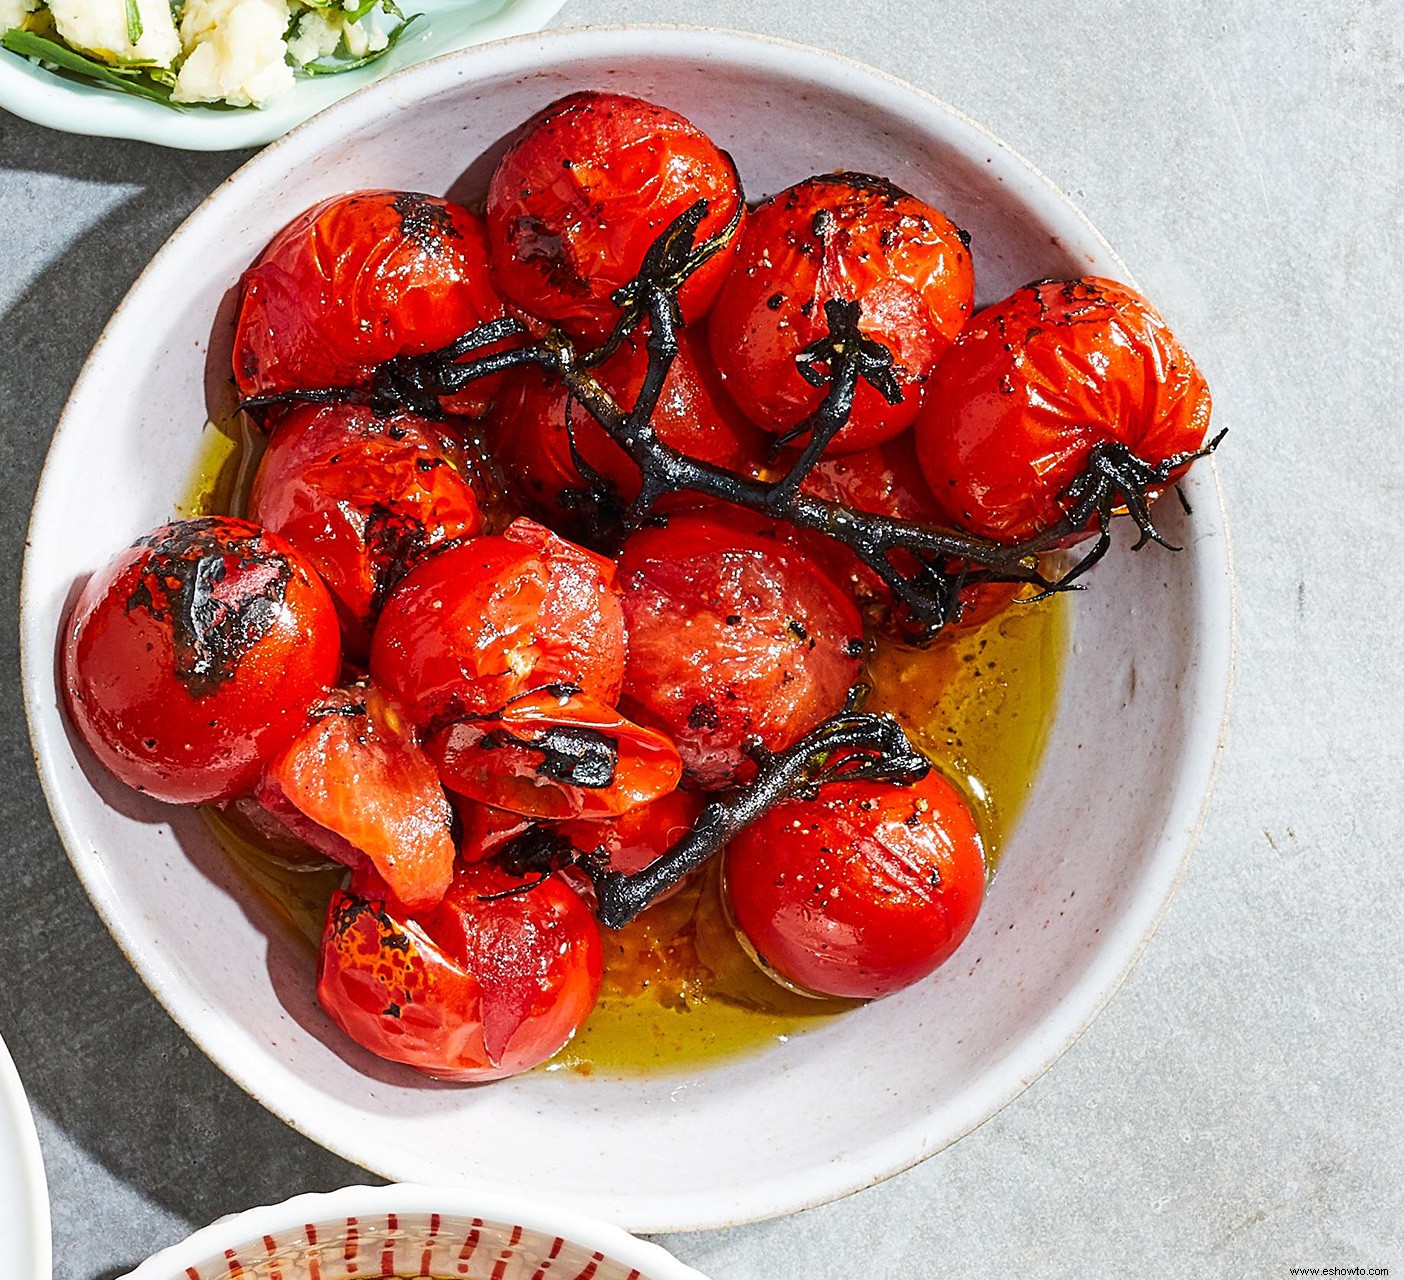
[923, 565]
[852, 746]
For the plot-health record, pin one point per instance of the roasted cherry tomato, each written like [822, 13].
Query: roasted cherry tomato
[356, 785]
[887, 479]
[556, 754]
[195, 655]
[1037, 381]
[582, 194]
[362, 497]
[530, 438]
[735, 635]
[861, 891]
[479, 988]
[473, 626]
[632, 841]
[851, 237]
[355, 281]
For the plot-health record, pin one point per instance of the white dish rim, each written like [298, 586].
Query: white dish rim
[35, 1211]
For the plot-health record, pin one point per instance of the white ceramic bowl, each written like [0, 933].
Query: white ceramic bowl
[362, 1233]
[37, 94]
[1085, 878]
[24, 1198]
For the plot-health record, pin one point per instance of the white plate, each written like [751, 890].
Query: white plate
[1085, 877]
[36, 94]
[24, 1198]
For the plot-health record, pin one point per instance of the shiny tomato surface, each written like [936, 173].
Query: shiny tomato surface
[195, 655]
[887, 480]
[735, 635]
[632, 841]
[861, 891]
[1034, 383]
[476, 989]
[527, 427]
[556, 755]
[362, 497]
[357, 280]
[582, 194]
[856, 238]
[475, 625]
[357, 774]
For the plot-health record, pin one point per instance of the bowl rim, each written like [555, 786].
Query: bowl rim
[1190, 793]
[71, 106]
[405, 1198]
[14, 1102]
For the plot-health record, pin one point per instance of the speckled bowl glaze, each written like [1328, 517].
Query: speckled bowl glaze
[367, 1233]
[1085, 877]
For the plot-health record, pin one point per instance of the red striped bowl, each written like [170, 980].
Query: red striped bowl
[369, 1233]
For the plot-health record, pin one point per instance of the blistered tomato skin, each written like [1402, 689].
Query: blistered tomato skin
[357, 280]
[554, 754]
[473, 990]
[475, 625]
[356, 785]
[194, 656]
[861, 891]
[362, 497]
[735, 635]
[852, 237]
[580, 197]
[527, 426]
[1034, 383]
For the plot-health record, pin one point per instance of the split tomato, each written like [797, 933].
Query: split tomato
[356, 785]
[479, 988]
[556, 754]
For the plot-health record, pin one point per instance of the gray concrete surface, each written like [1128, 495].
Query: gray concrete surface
[1237, 1110]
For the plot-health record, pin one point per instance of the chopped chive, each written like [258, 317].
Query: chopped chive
[134, 27]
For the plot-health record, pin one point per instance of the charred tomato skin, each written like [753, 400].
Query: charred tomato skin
[359, 279]
[735, 635]
[476, 989]
[362, 497]
[528, 428]
[355, 784]
[580, 196]
[556, 755]
[195, 655]
[477, 624]
[1034, 383]
[861, 891]
[852, 237]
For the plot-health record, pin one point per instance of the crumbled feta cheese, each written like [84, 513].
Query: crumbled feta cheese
[234, 52]
[12, 13]
[316, 37]
[99, 28]
[320, 31]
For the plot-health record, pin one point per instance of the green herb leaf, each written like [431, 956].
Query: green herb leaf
[29, 45]
[321, 68]
[134, 27]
